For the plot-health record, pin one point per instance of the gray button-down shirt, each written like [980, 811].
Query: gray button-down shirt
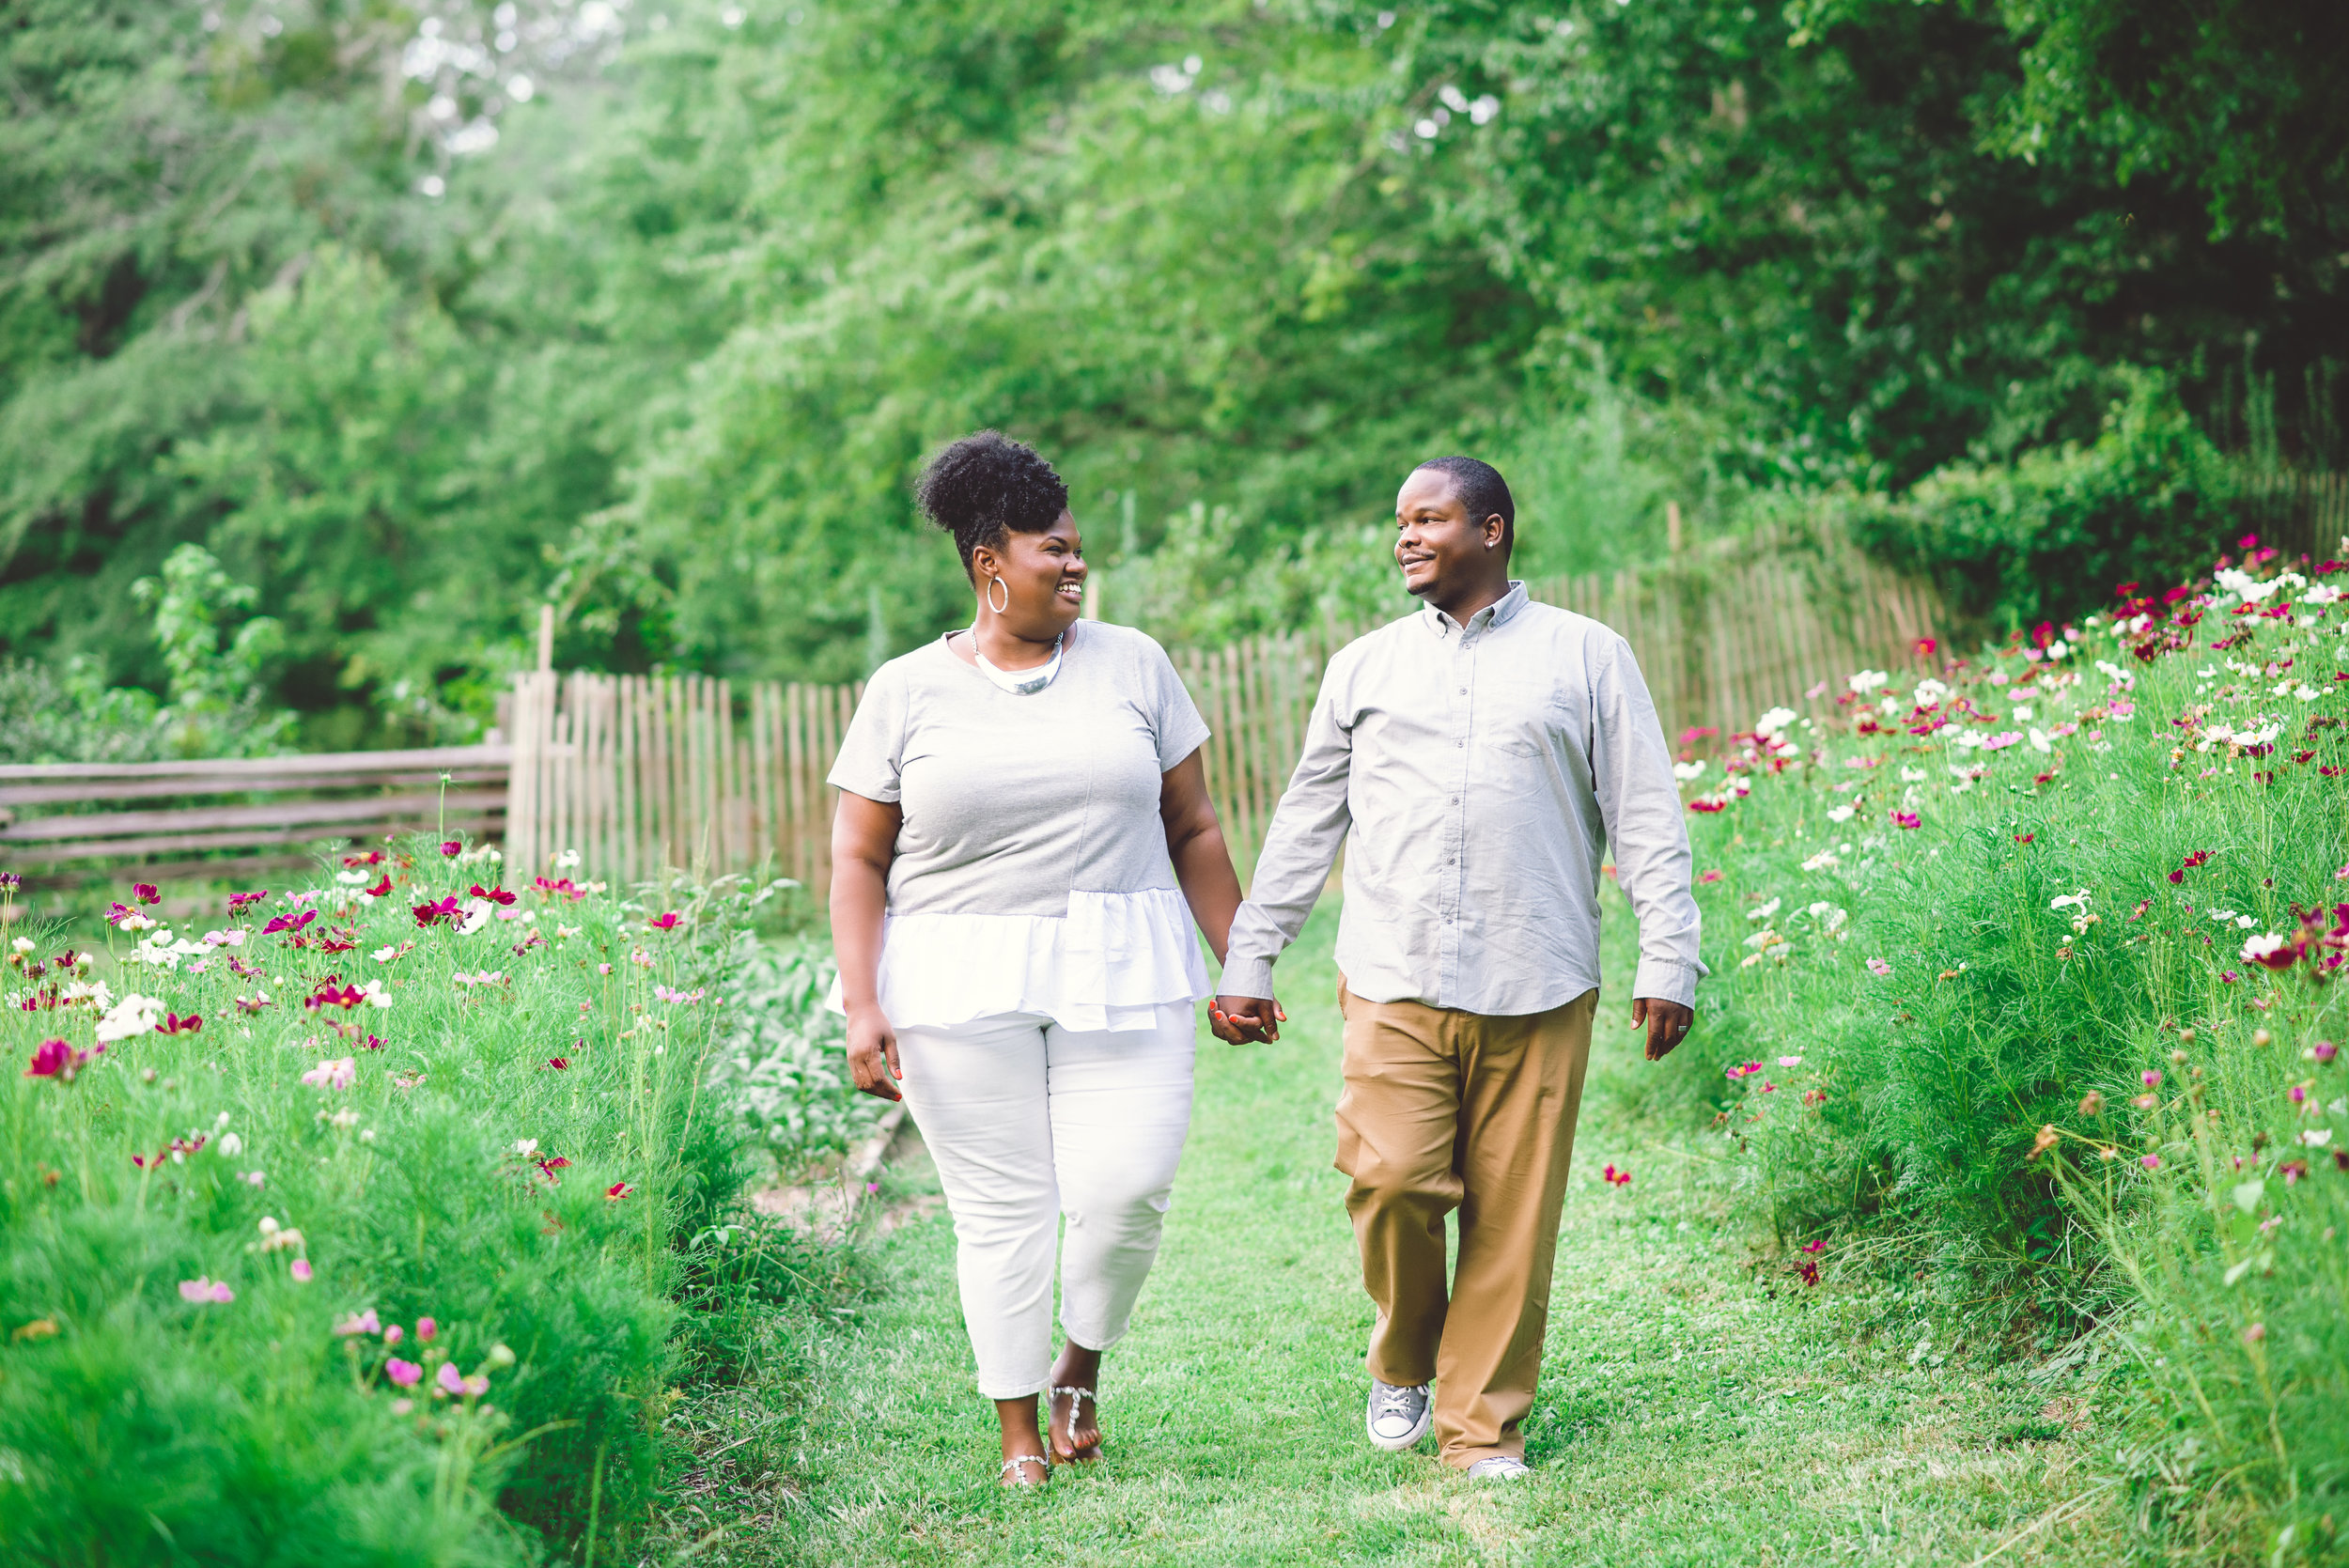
[1482, 771]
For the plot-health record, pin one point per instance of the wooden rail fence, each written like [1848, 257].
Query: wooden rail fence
[237, 817]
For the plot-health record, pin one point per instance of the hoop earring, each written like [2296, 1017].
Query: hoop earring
[993, 583]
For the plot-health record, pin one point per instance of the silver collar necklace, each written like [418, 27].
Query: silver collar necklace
[1020, 683]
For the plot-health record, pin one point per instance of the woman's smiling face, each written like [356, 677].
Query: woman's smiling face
[1043, 573]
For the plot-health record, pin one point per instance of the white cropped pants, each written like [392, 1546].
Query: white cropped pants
[1030, 1122]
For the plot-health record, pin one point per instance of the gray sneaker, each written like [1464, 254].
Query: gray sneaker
[1398, 1418]
[1501, 1467]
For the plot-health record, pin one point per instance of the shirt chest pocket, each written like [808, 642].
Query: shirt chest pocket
[1522, 717]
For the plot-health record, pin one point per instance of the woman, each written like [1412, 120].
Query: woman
[1019, 804]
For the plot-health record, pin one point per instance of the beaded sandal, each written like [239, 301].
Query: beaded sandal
[1076, 1398]
[1011, 1466]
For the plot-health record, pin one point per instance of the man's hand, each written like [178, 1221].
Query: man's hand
[1244, 1020]
[873, 1054]
[1668, 1024]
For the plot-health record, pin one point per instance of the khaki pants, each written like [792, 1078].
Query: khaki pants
[1442, 1110]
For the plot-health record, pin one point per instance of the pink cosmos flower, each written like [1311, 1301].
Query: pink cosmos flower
[603, 969]
[303, 1273]
[1790, 1061]
[405, 1374]
[2149, 1076]
[2324, 1050]
[495, 895]
[618, 1190]
[2277, 953]
[2002, 741]
[1710, 877]
[393, 1335]
[426, 1329]
[1878, 967]
[202, 1289]
[289, 921]
[174, 1024]
[666, 922]
[359, 1323]
[2151, 1162]
[1906, 819]
[145, 892]
[57, 1060]
[239, 900]
[381, 888]
[333, 1074]
[453, 848]
[451, 1380]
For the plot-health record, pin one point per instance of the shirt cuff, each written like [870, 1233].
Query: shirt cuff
[1666, 979]
[1247, 977]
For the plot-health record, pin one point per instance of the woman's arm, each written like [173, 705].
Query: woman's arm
[1194, 842]
[864, 841]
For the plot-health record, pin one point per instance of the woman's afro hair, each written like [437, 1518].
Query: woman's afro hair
[986, 485]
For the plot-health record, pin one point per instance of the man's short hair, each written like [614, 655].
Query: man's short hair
[1479, 486]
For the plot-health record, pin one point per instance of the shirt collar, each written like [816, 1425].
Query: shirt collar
[1493, 614]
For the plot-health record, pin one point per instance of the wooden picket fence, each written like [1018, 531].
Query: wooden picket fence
[2300, 513]
[636, 772]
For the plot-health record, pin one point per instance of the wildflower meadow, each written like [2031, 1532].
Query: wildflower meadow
[2025, 986]
[378, 1219]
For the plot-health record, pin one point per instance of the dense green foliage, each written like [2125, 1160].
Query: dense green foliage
[511, 1138]
[1989, 988]
[418, 316]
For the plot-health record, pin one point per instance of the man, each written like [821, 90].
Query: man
[1483, 753]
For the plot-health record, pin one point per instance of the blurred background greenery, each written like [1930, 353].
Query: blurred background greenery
[416, 317]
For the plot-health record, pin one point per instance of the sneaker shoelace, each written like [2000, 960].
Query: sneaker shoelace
[1397, 1401]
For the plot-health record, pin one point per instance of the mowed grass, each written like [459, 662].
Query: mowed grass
[1698, 1406]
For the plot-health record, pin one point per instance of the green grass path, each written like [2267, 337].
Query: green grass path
[1696, 1407]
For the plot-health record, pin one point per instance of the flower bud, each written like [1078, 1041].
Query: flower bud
[2261, 1037]
[500, 1357]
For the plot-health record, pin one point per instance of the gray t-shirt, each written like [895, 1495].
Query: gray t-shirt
[1012, 804]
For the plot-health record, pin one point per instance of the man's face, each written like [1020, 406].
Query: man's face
[1437, 543]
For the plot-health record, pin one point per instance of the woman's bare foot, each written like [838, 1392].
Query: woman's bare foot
[1025, 1457]
[1075, 1413]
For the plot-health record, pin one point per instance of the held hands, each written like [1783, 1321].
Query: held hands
[1668, 1024]
[1244, 1020]
[873, 1054]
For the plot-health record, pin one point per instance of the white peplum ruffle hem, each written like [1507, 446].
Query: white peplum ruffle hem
[1111, 963]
